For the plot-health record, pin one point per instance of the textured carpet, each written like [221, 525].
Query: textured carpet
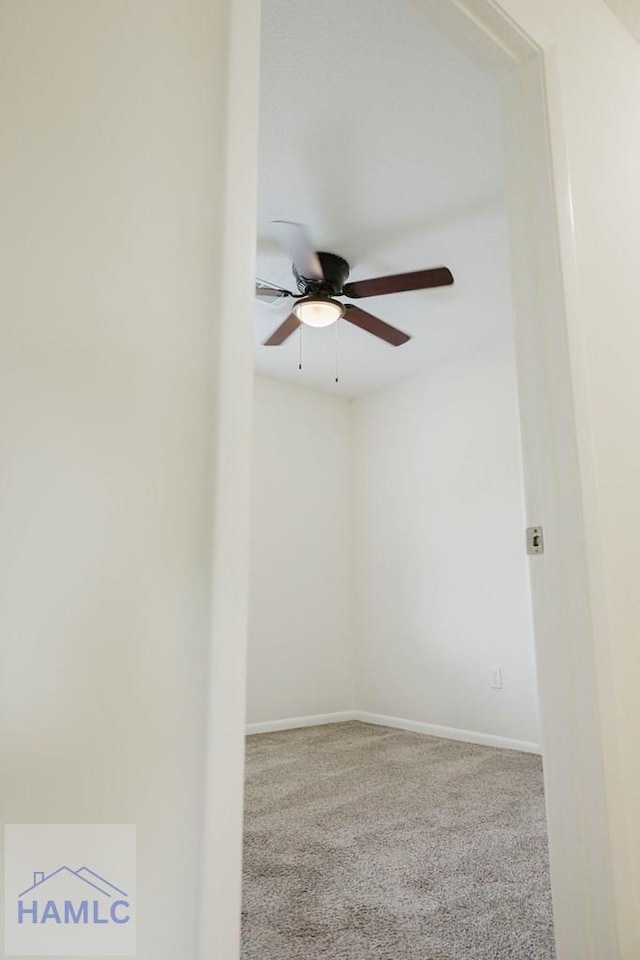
[366, 843]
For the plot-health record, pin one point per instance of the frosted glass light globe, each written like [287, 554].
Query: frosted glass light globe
[318, 313]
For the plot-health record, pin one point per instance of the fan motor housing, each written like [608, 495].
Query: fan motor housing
[336, 274]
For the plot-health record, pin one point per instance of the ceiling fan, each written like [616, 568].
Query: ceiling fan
[321, 277]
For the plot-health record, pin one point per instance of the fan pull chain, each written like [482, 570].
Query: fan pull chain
[337, 356]
[300, 342]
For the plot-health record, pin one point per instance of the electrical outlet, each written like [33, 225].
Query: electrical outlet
[496, 679]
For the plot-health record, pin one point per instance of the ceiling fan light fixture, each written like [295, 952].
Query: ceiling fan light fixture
[318, 311]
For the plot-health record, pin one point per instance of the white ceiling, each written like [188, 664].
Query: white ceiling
[386, 142]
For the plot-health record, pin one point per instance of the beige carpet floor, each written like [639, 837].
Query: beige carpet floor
[367, 843]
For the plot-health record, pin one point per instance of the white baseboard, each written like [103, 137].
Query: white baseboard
[379, 719]
[293, 723]
[447, 733]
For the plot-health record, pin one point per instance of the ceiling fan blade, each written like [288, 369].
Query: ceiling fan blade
[399, 283]
[366, 321]
[268, 293]
[295, 239]
[284, 331]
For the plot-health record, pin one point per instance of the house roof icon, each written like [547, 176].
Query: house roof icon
[86, 878]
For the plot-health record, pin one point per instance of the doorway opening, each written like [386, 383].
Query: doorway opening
[540, 246]
[389, 586]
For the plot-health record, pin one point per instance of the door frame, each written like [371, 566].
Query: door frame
[572, 670]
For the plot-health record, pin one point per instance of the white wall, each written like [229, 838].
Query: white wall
[112, 134]
[300, 626]
[408, 616]
[442, 579]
